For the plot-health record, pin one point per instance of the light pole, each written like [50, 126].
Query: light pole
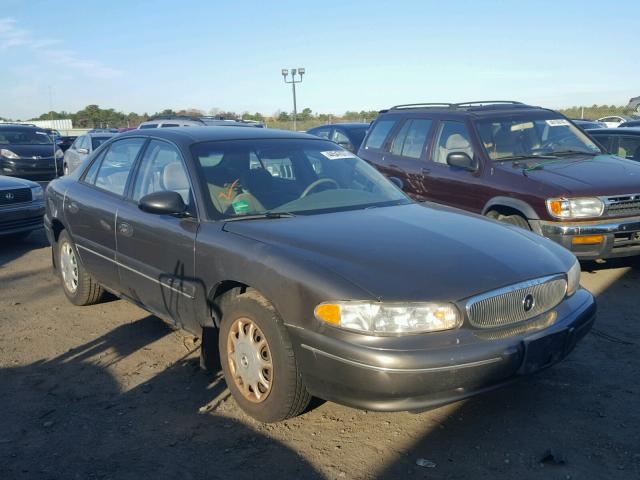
[293, 81]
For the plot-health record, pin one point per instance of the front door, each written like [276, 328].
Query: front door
[156, 252]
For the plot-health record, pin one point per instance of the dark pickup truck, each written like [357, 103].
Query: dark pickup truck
[516, 163]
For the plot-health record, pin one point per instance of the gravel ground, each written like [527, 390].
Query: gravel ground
[110, 392]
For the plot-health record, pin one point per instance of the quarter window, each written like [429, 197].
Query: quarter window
[452, 137]
[116, 165]
[379, 134]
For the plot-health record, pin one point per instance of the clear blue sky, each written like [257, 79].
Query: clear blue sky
[144, 56]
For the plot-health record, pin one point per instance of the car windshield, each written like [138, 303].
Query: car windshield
[24, 137]
[530, 137]
[292, 176]
[97, 141]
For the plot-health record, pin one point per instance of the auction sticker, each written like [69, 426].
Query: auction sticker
[338, 154]
[557, 122]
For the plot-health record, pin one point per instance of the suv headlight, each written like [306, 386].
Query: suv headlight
[573, 279]
[388, 318]
[8, 154]
[575, 207]
[37, 193]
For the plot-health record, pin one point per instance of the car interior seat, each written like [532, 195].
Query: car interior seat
[174, 178]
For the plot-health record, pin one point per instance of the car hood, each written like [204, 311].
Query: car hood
[13, 182]
[601, 175]
[413, 252]
[28, 151]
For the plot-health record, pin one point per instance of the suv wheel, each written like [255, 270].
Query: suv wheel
[79, 287]
[517, 220]
[257, 358]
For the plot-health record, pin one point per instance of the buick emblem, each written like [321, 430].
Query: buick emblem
[528, 302]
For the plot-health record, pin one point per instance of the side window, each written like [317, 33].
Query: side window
[149, 125]
[322, 133]
[116, 165]
[90, 176]
[629, 148]
[342, 140]
[379, 133]
[168, 125]
[75, 143]
[416, 138]
[162, 169]
[398, 141]
[452, 137]
[605, 141]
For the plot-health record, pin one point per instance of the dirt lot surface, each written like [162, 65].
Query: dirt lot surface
[110, 392]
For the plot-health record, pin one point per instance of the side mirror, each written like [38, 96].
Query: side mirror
[83, 151]
[462, 160]
[162, 203]
[397, 182]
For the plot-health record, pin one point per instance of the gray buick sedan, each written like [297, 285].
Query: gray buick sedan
[306, 272]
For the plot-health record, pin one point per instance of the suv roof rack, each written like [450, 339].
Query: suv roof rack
[479, 103]
[175, 117]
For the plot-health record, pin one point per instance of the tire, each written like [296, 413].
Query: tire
[287, 395]
[517, 220]
[87, 291]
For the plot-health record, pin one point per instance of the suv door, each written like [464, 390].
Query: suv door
[91, 209]
[156, 252]
[452, 185]
[404, 156]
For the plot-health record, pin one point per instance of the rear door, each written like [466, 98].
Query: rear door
[156, 252]
[92, 206]
[405, 157]
[450, 185]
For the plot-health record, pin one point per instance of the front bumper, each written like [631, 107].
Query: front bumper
[621, 237]
[377, 373]
[21, 218]
[40, 169]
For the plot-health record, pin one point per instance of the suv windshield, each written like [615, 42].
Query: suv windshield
[253, 177]
[508, 138]
[24, 137]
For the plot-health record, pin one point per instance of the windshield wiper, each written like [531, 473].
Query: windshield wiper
[258, 216]
[574, 152]
[513, 158]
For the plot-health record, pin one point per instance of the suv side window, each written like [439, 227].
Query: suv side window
[322, 132]
[379, 134]
[452, 137]
[410, 140]
[116, 165]
[629, 147]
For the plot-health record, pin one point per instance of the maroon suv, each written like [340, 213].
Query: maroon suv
[528, 166]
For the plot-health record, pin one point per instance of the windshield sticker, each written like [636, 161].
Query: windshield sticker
[521, 126]
[557, 122]
[338, 154]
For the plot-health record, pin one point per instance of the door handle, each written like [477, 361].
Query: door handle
[125, 229]
[425, 171]
[73, 207]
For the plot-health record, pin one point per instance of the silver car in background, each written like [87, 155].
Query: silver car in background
[83, 147]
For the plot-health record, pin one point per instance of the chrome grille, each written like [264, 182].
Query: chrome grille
[506, 306]
[623, 205]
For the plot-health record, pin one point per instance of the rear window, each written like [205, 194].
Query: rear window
[97, 141]
[379, 133]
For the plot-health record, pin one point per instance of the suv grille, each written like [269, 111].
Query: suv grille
[16, 195]
[623, 205]
[516, 303]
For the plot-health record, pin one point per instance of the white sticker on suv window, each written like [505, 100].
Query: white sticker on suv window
[557, 122]
[337, 154]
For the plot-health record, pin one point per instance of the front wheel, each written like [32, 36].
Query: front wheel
[517, 220]
[79, 287]
[258, 360]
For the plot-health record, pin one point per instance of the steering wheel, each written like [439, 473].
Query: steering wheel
[320, 181]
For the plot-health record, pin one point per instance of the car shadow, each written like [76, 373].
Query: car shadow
[13, 249]
[96, 412]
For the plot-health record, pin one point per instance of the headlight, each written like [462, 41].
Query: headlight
[59, 153]
[387, 318]
[36, 193]
[575, 207]
[8, 154]
[573, 279]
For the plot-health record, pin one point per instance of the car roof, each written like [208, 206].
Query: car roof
[209, 134]
[615, 131]
[487, 108]
[101, 134]
[18, 126]
[345, 125]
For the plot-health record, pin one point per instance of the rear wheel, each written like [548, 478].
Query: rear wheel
[79, 287]
[515, 219]
[257, 358]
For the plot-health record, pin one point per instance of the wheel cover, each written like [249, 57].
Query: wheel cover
[249, 359]
[69, 267]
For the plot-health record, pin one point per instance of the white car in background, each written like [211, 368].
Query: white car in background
[613, 121]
